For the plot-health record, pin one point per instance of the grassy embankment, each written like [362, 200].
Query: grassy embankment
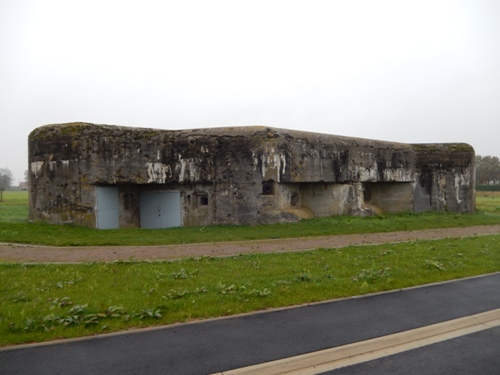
[45, 302]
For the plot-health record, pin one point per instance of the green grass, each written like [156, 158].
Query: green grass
[14, 207]
[489, 201]
[49, 301]
[15, 228]
[46, 302]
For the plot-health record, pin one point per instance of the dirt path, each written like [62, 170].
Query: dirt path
[40, 254]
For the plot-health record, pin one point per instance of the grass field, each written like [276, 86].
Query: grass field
[40, 302]
[14, 207]
[15, 228]
[488, 201]
[44, 302]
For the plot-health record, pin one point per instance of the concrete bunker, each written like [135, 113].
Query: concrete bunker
[120, 177]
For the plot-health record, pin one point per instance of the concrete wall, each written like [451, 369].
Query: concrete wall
[444, 178]
[246, 175]
[390, 197]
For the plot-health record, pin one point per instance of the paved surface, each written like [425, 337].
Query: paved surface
[477, 353]
[379, 347]
[223, 344]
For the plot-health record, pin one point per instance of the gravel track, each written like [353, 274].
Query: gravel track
[80, 254]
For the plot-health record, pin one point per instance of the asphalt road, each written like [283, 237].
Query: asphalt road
[223, 344]
[477, 353]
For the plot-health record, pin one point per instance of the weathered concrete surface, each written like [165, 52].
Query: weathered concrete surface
[445, 178]
[241, 175]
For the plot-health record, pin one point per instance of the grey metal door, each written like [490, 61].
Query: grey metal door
[160, 209]
[107, 207]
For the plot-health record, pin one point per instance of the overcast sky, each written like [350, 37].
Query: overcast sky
[408, 71]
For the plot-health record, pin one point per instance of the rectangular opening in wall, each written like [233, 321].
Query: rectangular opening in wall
[203, 200]
[268, 188]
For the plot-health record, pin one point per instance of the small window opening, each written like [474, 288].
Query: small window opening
[204, 200]
[367, 192]
[268, 188]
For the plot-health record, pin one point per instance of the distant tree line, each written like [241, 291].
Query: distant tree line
[5, 181]
[487, 170]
